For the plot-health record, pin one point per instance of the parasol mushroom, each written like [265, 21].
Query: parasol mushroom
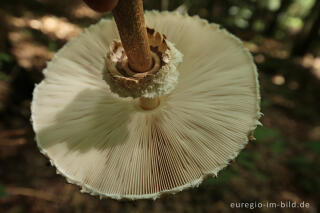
[134, 132]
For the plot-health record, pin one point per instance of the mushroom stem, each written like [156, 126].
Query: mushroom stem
[149, 103]
[129, 17]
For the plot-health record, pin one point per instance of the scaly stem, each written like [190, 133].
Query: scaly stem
[129, 17]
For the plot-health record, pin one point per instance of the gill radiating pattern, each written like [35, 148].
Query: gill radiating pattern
[110, 147]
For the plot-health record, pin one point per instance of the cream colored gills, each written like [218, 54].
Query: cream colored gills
[113, 148]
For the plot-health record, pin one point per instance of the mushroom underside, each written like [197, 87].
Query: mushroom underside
[112, 148]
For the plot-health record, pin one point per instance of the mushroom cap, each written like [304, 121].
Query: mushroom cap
[112, 148]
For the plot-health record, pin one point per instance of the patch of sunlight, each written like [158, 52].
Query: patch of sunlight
[61, 28]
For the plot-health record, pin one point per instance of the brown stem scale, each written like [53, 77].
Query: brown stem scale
[130, 21]
[129, 17]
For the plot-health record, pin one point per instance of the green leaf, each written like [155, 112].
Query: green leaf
[247, 159]
[5, 57]
[301, 164]
[265, 103]
[260, 176]
[307, 185]
[278, 146]
[300, 161]
[262, 133]
[3, 192]
[52, 46]
[3, 76]
[314, 146]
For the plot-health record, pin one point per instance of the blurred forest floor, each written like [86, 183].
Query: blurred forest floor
[282, 164]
